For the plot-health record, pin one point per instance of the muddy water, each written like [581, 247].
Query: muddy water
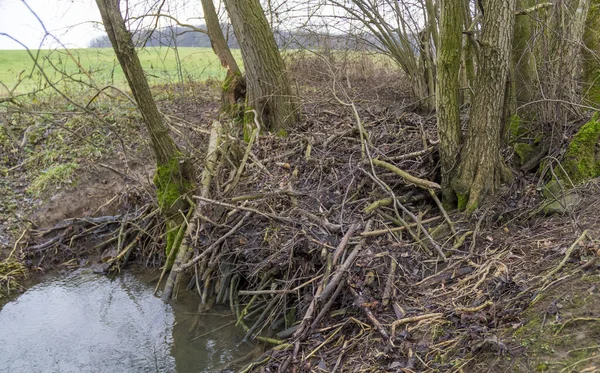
[84, 322]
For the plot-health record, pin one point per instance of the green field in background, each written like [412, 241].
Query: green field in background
[162, 65]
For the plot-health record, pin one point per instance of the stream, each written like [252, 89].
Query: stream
[85, 322]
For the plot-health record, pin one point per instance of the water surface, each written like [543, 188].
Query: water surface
[84, 322]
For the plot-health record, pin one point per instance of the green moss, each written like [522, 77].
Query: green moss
[463, 199]
[229, 80]
[524, 151]
[171, 185]
[580, 161]
[516, 127]
[469, 209]
[174, 237]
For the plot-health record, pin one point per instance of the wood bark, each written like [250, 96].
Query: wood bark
[234, 87]
[268, 88]
[447, 93]
[523, 69]
[480, 160]
[174, 176]
[562, 77]
[591, 54]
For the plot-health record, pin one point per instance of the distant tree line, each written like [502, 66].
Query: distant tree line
[187, 37]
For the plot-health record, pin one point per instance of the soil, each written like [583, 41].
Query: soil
[96, 193]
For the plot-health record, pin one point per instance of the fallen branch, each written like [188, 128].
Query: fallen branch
[379, 232]
[425, 184]
[409, 320]
[566, 258]
[337, 277]
[359, 302]
[234, 207]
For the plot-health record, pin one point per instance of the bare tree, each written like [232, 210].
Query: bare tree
[268, 88]
[234, 87]
[591, 54]
[174, 176]
[405, 31]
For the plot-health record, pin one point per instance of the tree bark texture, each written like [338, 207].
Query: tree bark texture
[174, 176]
[523, 69]
[447, 93]
[561, 81]
[480, 160]
[268, 87]
[234, 87]
[591, 54]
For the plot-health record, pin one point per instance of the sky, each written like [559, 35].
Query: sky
[76, 22]
[73, 22]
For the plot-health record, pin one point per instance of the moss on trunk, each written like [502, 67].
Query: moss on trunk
[172, 184]
[172, 181]
[581, 161]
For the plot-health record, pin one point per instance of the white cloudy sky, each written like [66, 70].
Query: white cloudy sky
[76, 22]
[73, 22]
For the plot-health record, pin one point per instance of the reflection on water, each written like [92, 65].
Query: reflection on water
[85, 322]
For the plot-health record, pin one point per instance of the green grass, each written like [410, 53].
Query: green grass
[160, 64]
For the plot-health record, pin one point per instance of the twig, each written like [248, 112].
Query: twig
[425, 184]
[389, 283]
[369, 313]
[398, 229]
[324, 223]
[565, 259]
[213, 246]
[443, 211]
[410, 155]
[408, 320]
[234, 207]
[337, 277]
[340, 249]
[475, 309]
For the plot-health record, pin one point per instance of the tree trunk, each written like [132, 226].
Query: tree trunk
[174, 176]
[562, 78]
[268, 88]
[591, 55]
[234, 87]
[523, 69]
[480, 160]
[447, 93]
[468, 56]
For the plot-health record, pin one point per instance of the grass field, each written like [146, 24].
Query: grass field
[162, 65]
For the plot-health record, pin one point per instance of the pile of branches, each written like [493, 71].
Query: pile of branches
[332, 242]
[108, 243]
[331, 245]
